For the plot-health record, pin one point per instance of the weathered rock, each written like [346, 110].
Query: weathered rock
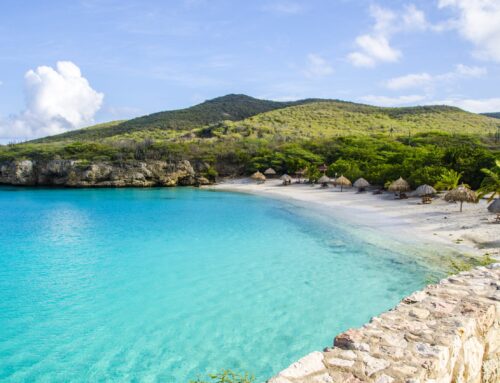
[71, 173]
[449, 332]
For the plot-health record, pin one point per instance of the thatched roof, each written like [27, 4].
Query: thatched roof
[258, 176]
[285, 177]
[494, 207]
[400, 185]
[424, 190]
[343, 181]
[361, 183]
[461, 194]
[269, 172]
[324, 180]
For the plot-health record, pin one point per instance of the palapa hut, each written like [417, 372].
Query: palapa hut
[461, 194]
[324, 181]
[342, 181]
[323, 168]
[426, 192]
[270, 172]
[259, 177]
[400, 186]
[361, 184]
[494, 207]
[287, 180]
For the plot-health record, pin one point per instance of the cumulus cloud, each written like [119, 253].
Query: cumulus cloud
[57, 100]
[479, 22]
[375, 47]
[317, 66]
[426, 80]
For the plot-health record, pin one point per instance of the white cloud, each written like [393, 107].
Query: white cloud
[375, 47]
[317, 66]
[426, 80]
[484, 105]
[479, 22]
[57, 100]
[393, 101]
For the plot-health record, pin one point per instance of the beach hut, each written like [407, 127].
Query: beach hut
[399, 186]
[426, 192]
[287, 180]
[342, 181]
[259, 177]
[270, 172]
[494, 207]
[324, 181]
[361, 184]
[323, 168]
[461, 194]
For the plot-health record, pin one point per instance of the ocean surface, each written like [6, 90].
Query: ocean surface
[168, 285]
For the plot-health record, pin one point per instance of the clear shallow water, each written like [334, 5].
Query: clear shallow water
[169, 284]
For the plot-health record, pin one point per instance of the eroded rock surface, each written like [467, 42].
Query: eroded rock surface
[446, 333]
[100, 174]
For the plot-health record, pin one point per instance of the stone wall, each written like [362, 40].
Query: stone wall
[449, 332]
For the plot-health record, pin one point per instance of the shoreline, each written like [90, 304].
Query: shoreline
[438, 226]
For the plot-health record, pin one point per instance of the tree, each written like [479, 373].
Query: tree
[449, 180]
[491, 183]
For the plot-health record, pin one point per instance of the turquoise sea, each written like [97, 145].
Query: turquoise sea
[171, 284]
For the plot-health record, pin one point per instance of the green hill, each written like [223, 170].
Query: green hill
[237, 134]
[492, 115]
[232, 107]
[337, 118]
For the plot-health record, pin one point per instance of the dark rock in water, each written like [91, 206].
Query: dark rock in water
[71, 173]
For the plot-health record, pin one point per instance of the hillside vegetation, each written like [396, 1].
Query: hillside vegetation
[236, 135]
[232, 107]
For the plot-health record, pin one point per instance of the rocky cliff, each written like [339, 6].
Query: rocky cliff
[69, 173]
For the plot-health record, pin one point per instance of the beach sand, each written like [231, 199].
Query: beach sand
[440, 224]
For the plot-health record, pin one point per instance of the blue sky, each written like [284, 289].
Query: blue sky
[120, 59]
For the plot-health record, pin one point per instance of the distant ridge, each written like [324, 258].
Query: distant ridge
[232, 107]
[239, 115]
[493, 115]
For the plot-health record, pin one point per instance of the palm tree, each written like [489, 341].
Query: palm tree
[491, 183]
[449, 180]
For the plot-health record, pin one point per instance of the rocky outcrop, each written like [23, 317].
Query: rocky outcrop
[446, 333]
[72, 173]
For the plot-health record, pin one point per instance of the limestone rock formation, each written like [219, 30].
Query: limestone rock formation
[70, 173]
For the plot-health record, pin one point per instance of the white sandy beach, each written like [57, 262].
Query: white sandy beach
[471, 232]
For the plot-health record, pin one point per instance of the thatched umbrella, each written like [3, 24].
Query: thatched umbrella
[400, 185]
[259, 177]
[270, 172]
[323, 168]
[426, 192]
[361, 184]
[461, 194]
[343, 181]
[287, 180]
[494, 207]
[324, 181]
